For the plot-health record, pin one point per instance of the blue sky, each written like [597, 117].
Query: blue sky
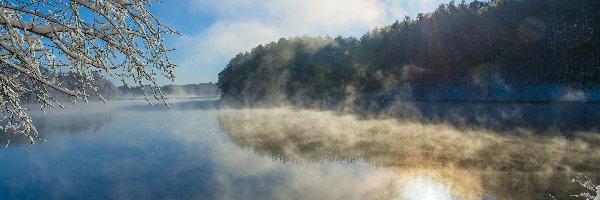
[212, 31]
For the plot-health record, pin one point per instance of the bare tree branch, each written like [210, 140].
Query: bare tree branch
[117, 38]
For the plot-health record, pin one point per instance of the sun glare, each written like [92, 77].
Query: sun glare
[425, 188]
[429, 184]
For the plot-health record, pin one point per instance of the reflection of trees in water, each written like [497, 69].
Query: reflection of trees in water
[178, 104]
[74, 122]
[528, 165]
[541, 118]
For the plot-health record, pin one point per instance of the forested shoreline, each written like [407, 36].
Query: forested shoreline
[503, 50]
[208, 90]
[108, 90]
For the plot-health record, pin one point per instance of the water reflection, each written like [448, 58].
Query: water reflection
[541, 118]
[489, 164]
[171, 154]
[128, 150]
[423, 183]
[87, 118]
[74, 119]
[177, 104]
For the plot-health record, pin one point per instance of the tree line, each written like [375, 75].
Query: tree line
[497, 50]
[208, 90]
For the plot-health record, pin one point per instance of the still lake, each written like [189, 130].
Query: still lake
[129, 150]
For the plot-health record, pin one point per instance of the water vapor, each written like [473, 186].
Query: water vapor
[486, 162]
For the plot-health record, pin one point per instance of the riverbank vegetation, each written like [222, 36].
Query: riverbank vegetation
[503, 50]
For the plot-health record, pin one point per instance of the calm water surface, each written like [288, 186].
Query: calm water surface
[128, 150]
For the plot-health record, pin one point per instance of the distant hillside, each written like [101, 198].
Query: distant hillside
[191, 90]
[503, 50]
[69, 80]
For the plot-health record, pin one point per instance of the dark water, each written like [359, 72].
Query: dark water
[127, 150]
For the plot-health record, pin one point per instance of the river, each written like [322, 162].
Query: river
[130, 150]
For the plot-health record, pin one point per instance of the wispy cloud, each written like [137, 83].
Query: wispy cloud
[206, 53]
[294, 17]
[240, 25]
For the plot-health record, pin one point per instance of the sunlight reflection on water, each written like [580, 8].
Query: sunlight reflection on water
[128, 150]
[460, 163]
[426, 188]
[435, 184]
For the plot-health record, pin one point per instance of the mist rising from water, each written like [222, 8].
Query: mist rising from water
[487, 161]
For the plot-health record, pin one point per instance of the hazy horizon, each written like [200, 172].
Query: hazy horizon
[214, 32]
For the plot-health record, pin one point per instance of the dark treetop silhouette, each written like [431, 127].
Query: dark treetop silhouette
[508, 50]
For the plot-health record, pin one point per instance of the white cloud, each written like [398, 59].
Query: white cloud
[204, 55]
[326, 17]
[225, 38]
[302, 16]
[242, 24]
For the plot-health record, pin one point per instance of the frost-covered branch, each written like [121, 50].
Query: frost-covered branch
[587, 184]
[87, 38]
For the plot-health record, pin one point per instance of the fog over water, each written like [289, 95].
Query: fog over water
[127, 149]
[471, 156]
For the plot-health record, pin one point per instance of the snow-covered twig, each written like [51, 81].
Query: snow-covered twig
[587, 183]
[86, 38]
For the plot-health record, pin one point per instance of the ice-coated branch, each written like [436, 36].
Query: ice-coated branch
[39, 40]
[594, 190]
